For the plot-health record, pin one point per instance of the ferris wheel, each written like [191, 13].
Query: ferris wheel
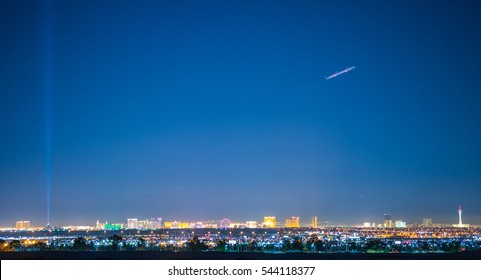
[225, 223]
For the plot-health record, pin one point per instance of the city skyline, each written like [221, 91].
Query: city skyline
[222, 109]
[266, 221]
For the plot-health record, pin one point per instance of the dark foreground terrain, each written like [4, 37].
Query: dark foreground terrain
[157, 255]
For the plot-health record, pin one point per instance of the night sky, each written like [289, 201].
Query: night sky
[204, 110]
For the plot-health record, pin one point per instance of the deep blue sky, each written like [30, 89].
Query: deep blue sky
[205, 110]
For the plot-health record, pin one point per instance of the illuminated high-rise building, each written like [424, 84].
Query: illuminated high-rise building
[388, 222]
[427, 222]
[22, 225]
[251, 224]
[99, 225]
[314, 222]
[132, 223]
[184, 225]
[144, 224]
[292, 222]
[155, 223]
[108, 226]
[177, 225]
[400, 224]
[270, 222]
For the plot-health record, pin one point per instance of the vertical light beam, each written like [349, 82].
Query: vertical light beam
[48, 91]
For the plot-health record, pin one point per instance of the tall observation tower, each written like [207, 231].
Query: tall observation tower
[460, 212]
[460, 223]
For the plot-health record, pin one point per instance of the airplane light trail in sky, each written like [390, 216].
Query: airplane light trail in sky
[339, 73]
